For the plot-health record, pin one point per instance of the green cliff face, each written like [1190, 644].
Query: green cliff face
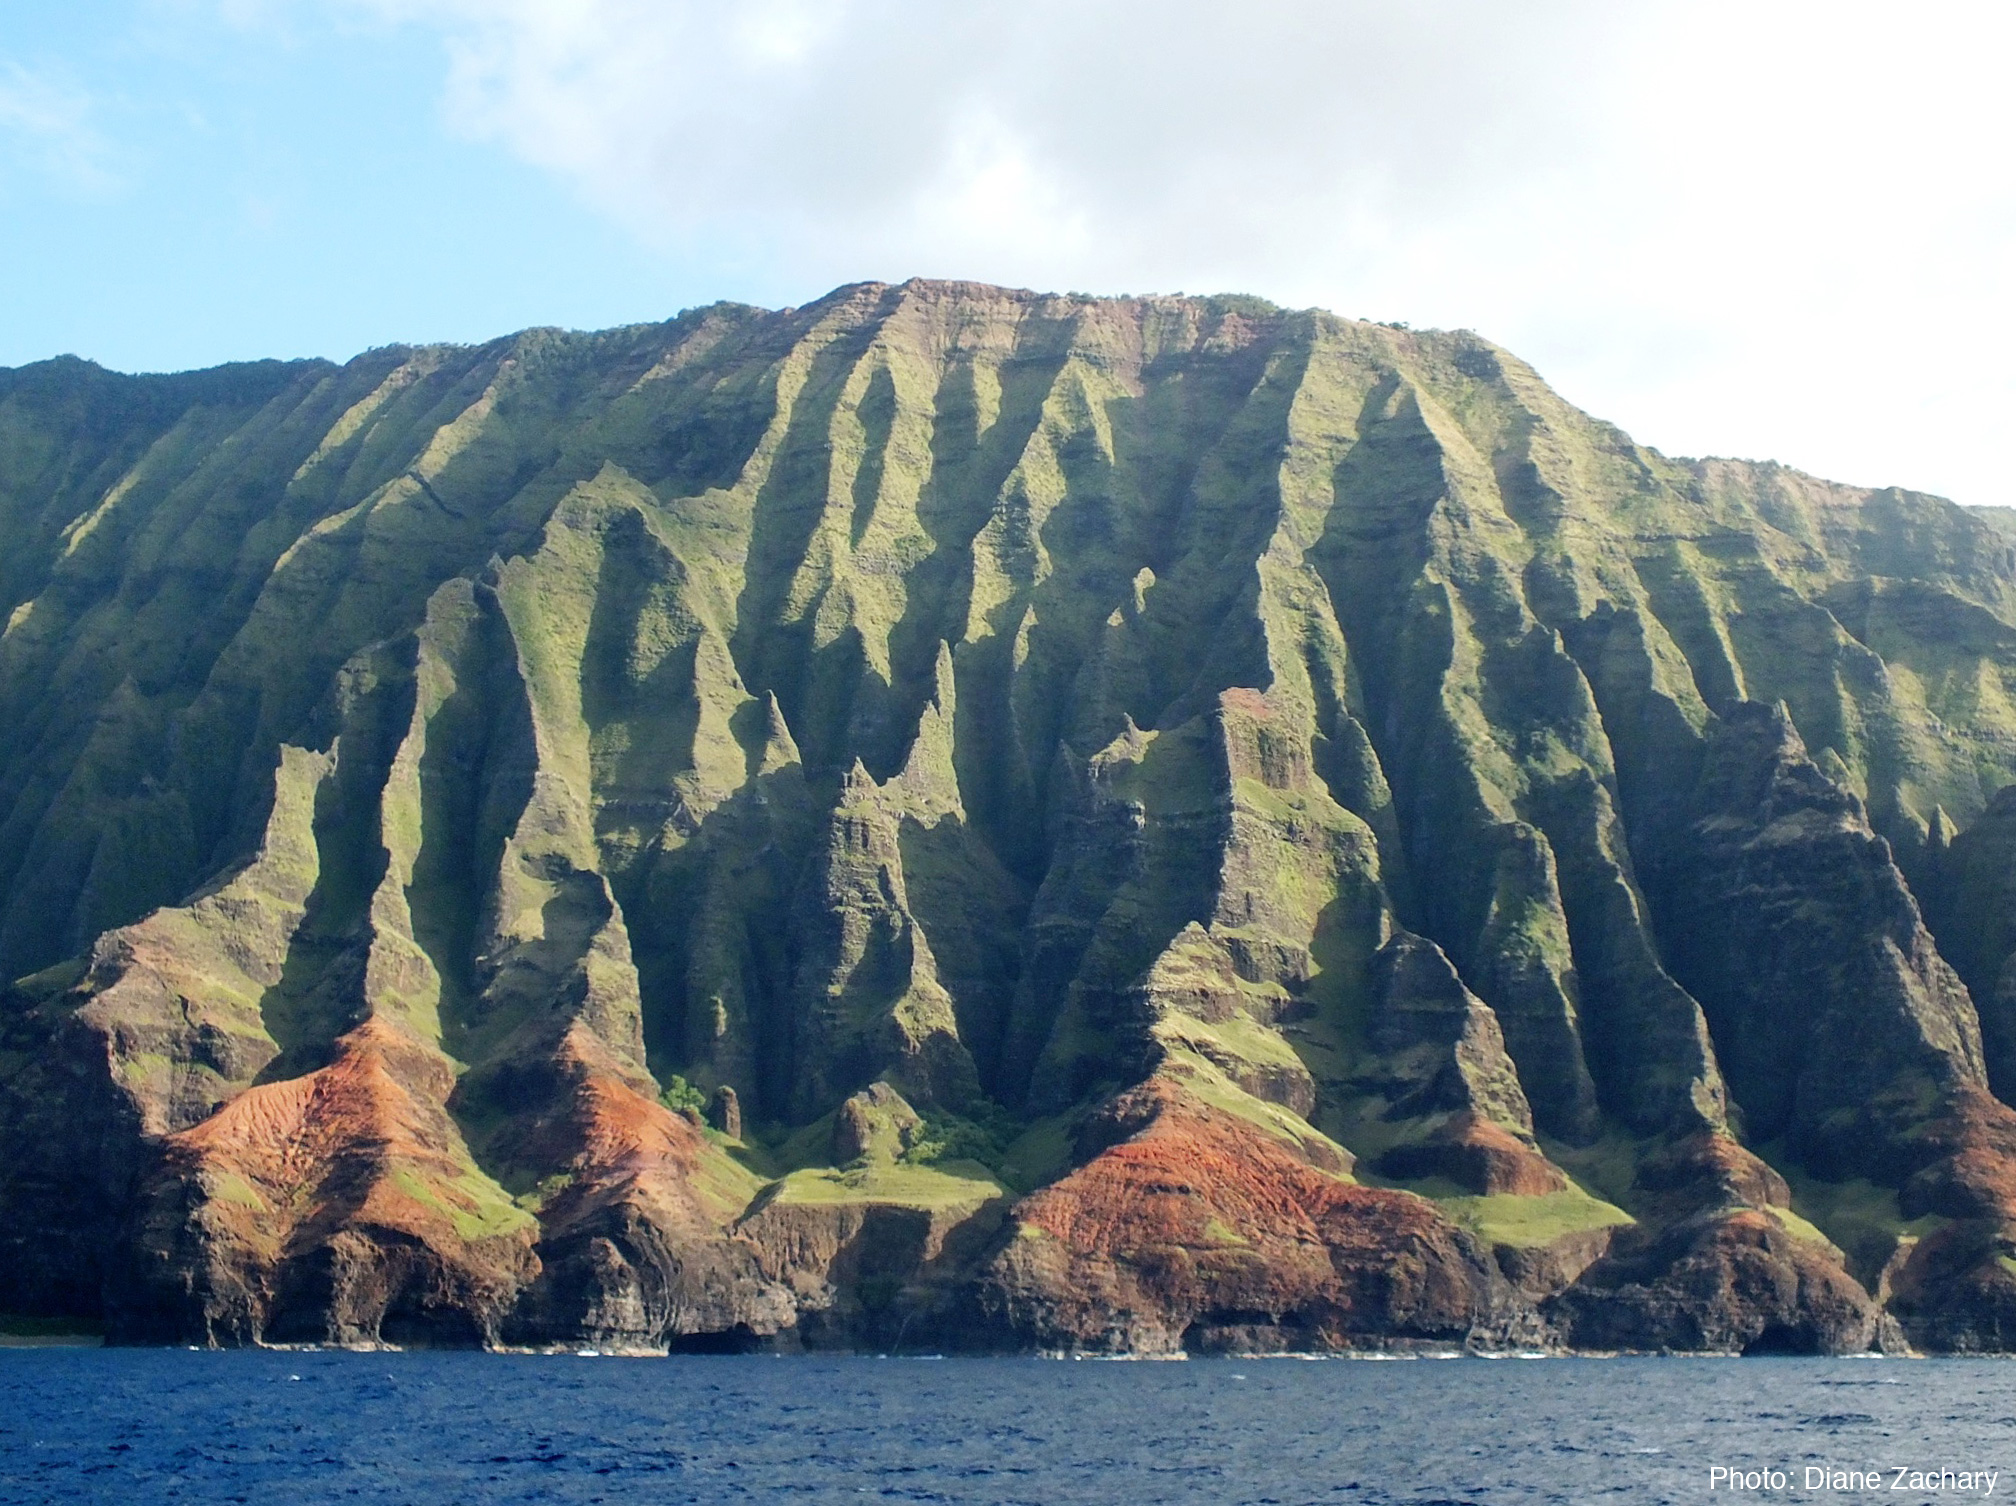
[1144, 823]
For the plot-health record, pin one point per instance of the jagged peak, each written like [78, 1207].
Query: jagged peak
[929, 781]
[944, 683]
[779, 749]
[857, 782]
[1756, 761]
[1127, 746]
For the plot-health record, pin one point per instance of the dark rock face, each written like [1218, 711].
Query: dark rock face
[878, 1275]
[1718, 1282]
[1953, 1291]
[1442, 1046]
[1970, 897]
[1717, 1263]
[1837, 1021]
[970, 819]
[724, 1112]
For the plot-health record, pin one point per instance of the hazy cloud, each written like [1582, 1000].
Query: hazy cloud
[47, 125]
[1776, 227]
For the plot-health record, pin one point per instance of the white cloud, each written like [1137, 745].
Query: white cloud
[46, 125]
[1778, 227]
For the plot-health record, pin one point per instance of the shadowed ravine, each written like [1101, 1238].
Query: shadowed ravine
[958, 818]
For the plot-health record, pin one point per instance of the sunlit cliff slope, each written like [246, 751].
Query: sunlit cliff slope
[954, 817]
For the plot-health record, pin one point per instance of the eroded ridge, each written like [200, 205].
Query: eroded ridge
[955, 817]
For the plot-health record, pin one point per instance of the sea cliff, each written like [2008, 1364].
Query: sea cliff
[961, 818]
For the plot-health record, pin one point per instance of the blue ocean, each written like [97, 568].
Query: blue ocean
[144, 1426]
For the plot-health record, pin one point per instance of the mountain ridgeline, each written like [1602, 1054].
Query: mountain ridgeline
[963, 819]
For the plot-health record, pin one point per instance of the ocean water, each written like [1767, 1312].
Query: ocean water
[145, 1426]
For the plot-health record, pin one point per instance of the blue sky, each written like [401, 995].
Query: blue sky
[1776, 228]
[192, 189]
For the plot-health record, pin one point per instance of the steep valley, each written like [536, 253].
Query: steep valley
[956, 818]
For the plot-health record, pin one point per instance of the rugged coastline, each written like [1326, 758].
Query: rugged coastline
[961, 820]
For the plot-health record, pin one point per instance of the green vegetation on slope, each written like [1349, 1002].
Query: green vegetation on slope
[1002, 699]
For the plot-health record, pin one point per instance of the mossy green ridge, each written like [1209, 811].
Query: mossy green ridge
[986, 740]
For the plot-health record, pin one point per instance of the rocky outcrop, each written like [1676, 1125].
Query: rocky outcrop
[961, 817]
[1969, 893]
[881, 1252]
[1198, 1231]
[1437, 1061]
[867, 997]
[337, 1207]
[1719, 1283]
[634, 1248]
[1842, 1028]
[724, 1112]
[1717, 1264]
[156, 1030]
[1837, 1021]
